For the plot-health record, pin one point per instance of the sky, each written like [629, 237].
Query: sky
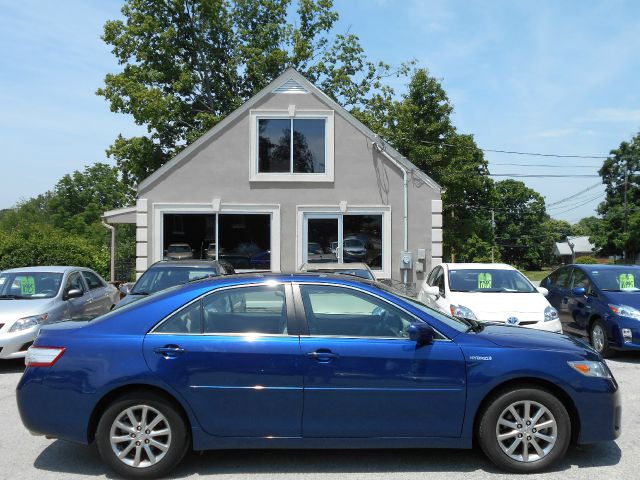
[532, 76]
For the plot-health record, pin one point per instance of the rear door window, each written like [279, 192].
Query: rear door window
[254, 309]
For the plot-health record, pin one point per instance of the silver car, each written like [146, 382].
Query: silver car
[32, 296]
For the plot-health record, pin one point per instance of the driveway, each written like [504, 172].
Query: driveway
[28, 457]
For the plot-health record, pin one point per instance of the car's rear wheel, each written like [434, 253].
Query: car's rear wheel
[142, 435]
[599, 339]
[524, 430]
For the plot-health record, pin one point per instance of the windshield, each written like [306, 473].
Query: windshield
[617, 280]
[456, 323]
[29, 285]
[179, 249]
[489, 280]
[353, 243]
[159, 278]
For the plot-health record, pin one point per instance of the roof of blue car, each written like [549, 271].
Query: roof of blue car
[603, 267]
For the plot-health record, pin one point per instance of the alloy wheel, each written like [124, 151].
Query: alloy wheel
[140, 436]
[597, 337]
[526, 431]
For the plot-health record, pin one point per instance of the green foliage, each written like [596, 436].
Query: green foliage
[587, 260]
[42, 244]
[612, 237]
[520, 224]
[186, 64]
[419, 126]
[63, 226]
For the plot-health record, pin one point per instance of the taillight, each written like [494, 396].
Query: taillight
[43, 356]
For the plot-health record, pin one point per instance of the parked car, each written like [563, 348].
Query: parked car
[353, 249]
[316, 254]
[361, 270]
[33, 296]
[489, 292]
[178, 251]
[282, 361]
[208, 250]
[168, 274]
[601, 302]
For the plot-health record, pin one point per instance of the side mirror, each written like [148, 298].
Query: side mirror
[543, 291]
[432, 291]
[73, 293]
[579, 291]
[421, 333]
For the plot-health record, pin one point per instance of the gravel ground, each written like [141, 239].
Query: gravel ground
[25, 456]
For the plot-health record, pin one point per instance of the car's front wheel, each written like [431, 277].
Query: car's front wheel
[524, 430]
[142, 435]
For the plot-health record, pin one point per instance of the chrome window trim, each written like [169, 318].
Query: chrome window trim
[228, 287]
[443, 339]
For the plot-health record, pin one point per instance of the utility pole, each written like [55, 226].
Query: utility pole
[493, 235]
[626, 210]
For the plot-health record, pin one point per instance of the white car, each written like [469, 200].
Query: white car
[489, 292]
[32, 296]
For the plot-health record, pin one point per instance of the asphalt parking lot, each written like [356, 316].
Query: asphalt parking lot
[25, 456]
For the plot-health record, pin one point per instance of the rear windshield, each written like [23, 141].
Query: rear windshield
[159, 278]
[617, 280]
[489, 280]
[179, 248]
[29, 285]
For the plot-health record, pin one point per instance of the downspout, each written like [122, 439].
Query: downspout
[112, 269]
[405, 192]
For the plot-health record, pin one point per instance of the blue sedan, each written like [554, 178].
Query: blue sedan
[601, 302]
[308, 361]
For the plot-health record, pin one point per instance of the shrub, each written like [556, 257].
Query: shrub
[587, 259]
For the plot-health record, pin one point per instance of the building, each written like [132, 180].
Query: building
[572, 248]
[290, 177]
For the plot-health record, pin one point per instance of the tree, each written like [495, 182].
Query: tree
[620, 172]
[189, 63]
[419, 126]
[520, 224]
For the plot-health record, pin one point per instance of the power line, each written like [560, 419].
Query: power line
[575, 195]
[544, 165]
[577, 206]
[561, 206]
[512, 152]
[524, 175]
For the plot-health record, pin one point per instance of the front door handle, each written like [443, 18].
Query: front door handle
[322, 355]
[169, 351]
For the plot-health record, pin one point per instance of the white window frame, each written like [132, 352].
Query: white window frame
[292, 114]
[313, 210]
[159, 209]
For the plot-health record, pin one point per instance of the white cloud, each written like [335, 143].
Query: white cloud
[611, 115]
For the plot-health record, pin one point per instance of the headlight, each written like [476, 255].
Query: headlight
[28, 322]
[463, 312]
[591, 368]
[625, 311]
[550, 314]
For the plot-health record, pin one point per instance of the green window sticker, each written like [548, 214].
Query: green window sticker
[27, 286]
[484, 280]
[626, 280]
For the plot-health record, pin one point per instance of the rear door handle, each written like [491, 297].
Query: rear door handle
[169, 351]
[322, 356]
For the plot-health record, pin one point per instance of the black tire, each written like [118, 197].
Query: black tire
[604, 349]
[178, 442]
[487, 433]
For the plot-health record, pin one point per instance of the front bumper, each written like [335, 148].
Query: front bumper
[15, 344]
[617, 338]
[600, 414]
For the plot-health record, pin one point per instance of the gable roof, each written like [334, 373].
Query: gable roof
[284, 81]
[580, 245]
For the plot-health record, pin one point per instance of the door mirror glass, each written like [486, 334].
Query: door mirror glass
[74, 293]
[543, 291]
[421, 333]
[579, 291]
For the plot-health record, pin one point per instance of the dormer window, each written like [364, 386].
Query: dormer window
[295, 147]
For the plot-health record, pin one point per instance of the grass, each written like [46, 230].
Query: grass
[536, 276]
